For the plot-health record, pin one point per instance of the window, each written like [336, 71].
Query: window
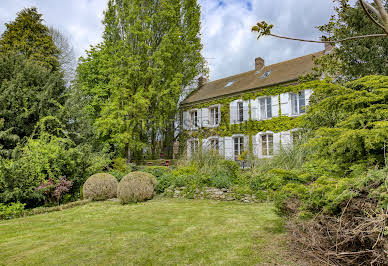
[230, 83]
[265, 107]
[296, 136]
[240, 110]
[214, 116]
[194, 144]
[298, 103]
[194, 119]
[238, 147]
[266, 74]
[267, 144]
[214, 144]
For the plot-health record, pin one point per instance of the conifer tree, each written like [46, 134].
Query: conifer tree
[27, 35]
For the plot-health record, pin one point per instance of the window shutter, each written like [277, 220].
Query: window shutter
[276, 143]
[285, 104]
[205, 145]
[246, 143]
[255, 109]
[185, 120]
[246, 110]
[255, 145]
[233, 112]
[205, 117]
[275, 105]
[199, 113]
[219, 114]
[259, 146]
[221, 147]
[188, 148]
[285, 138]
[307, 95]
[228, 146]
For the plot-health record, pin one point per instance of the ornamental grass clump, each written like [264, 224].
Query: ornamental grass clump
[100, 186]
[136, 187]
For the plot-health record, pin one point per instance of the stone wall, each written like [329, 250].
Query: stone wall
[210, 193]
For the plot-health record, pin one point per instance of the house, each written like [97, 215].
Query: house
[257, 111]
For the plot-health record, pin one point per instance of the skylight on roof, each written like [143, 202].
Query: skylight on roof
[266, 74]
[230, 83]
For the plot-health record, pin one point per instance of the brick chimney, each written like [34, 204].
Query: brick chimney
[259, 63]
[201, 81]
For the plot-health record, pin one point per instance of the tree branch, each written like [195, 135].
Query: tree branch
[372, 18]
[370, 7]
[332, 42]
[383, 13]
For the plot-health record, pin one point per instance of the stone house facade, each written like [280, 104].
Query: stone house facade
[254, 113]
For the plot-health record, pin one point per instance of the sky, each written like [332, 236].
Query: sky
[229, 45]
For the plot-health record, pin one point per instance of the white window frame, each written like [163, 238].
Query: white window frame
[194, 124]
[296, 103]
[194, 146]
[267, 145]
[240, 146]
[240, 112]
[265, 115]
[214, 144]
[214, 120]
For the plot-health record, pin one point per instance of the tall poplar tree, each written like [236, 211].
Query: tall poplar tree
[150, 53]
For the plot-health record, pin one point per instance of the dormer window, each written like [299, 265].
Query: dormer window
[266, 74]
[230, 83]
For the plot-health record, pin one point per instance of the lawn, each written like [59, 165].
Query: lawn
[163, 231]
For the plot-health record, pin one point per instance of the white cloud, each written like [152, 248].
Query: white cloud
[226, 27]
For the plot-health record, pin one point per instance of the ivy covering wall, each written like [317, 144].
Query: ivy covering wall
[250, 127]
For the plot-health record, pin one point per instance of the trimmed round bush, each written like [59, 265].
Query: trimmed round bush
[100, 186]
[136, 187]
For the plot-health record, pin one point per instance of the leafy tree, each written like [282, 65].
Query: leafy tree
[28, 36]
[359, 57]
[66, 56]
[28, 92]
[150, 53]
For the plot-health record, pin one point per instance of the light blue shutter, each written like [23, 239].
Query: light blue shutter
[285, 138]
[221, 146]
[276, 143]
[205, 117]
[285, 104]
[275, 105]
[245, 110]
[228, 143]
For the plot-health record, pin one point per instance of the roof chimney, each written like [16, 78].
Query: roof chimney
[259, 63]
[201, 81]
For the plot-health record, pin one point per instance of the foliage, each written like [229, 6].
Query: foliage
[54, 190]
[11, 210]
[100, 186]
[136, 187]
[156, 171]
[44, 158]
[28, 93]
[29, 37]
[356, 58]
[347, 132]
[150, 50]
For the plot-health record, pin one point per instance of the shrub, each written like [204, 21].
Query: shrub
[55, 190]
[100, 186]
[12, 210]
[44, 158]
[157, 171]
[136, 187]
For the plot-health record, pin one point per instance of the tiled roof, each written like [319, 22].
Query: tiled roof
[283, 72]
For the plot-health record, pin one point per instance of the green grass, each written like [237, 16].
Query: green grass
[163, 231]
